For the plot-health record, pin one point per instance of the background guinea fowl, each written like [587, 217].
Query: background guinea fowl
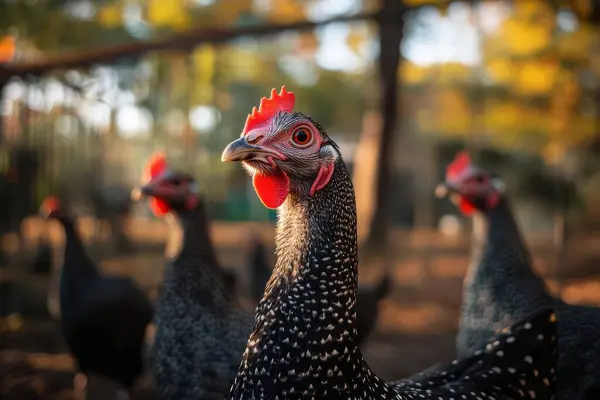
[304, 342]
[367, 305]
[501, 286]
[103, 319]
[41, 263]
[260, 268]
[200, 329]
[230, 280]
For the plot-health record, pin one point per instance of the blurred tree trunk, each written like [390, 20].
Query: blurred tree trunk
[3, 82]
[391, 24]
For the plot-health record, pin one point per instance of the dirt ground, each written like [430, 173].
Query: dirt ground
[416, 325]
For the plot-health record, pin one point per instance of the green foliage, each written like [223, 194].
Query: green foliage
[53, 25]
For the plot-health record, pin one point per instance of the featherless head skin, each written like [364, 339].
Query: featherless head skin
[287, 153]
[470, 187]
[51, 207]
[304, 341]
[166, 189]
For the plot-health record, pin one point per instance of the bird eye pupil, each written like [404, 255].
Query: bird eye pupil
[302, 136]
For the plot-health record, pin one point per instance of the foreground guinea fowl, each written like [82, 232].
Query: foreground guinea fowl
[103, 319]
[304, 342]
[501, 286]
[200, 330]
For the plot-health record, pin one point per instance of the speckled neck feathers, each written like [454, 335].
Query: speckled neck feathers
[195, 227]
[195, 272]
[500, 286]
[304, 339]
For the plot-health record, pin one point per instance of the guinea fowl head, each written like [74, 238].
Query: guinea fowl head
[285, 152]
[51, 207]
[470, 187]
[166, 189]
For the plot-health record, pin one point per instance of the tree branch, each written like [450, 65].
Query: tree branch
[182, 41]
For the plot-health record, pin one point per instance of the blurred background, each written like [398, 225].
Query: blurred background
[91, 88]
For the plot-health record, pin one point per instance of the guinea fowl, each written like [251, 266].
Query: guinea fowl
[103, 319]
[200, 329]
[501, 286]
[304, 341]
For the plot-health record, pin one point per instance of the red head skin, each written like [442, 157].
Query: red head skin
[285, 152]
[50, 207]
[471, 187]
[167, 190]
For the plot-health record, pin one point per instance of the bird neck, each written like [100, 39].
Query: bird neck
[194, 273]
[195, 241]
[77, 266]
[497, 237]
[305, 335]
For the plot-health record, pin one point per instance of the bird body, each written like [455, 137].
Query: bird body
[200, 331]
[96, 331]
[304, 341]
[103, 319]
[501, 287]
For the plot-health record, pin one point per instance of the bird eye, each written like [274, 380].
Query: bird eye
[481, 179]
[302, 136]
[176, 181]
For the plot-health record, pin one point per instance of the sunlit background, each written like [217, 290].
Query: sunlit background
[90, 89]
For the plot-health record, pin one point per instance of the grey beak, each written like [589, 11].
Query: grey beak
[240, 150]
[445, 189]
[136, 194]
[139, 193]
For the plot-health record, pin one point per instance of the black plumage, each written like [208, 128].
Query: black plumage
[41, 262]
[200, 329]
[103, 319]
[495, 363]
[230, 280]
[260, 268]
[367, 305]
[501, 287]
[304, 342]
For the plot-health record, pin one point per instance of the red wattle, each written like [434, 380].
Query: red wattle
[272, 189]
[159, 207]
[465, 206]
[323, 178]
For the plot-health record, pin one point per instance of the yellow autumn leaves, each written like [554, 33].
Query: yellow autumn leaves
[536, 67]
